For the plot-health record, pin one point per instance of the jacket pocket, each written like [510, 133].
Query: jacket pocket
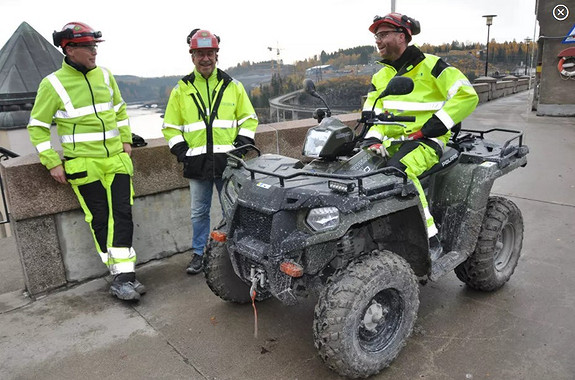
[76, 171]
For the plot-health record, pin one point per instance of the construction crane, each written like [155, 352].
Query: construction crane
[277, 58]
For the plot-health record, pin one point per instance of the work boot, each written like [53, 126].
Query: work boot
[196, 265]
[123, 287]
[139, 287]
[435, 248]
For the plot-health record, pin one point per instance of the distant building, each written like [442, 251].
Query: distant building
[26, 58]
[555, 91]
[317, 72]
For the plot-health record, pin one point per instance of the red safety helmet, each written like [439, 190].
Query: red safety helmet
[76, 32]
[409, 25]
[203, 39]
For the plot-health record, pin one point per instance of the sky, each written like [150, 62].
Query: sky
[149, 40]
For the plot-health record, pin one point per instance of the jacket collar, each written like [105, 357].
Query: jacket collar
[78, 67]
[410, 58]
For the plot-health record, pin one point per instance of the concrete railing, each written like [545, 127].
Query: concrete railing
[487, 88]
[54, 243]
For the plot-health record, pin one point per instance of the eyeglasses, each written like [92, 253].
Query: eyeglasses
[381, 35]
[204, 53]
[91, 48]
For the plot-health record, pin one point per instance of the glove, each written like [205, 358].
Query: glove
[379, 149]
[179, 150]
[416, 135]
[241, 141]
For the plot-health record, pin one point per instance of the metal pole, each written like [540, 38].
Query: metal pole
[487, 51]
[527, 41]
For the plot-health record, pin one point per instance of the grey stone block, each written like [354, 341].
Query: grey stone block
[40, 254]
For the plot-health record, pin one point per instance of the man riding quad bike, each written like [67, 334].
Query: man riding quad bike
[348, 228]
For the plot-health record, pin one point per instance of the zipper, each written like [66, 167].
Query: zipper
[98, 116]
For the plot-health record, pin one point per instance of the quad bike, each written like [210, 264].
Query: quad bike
[353, 232]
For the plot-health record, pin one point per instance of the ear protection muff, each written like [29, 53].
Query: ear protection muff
[57, 37]
[415, 27]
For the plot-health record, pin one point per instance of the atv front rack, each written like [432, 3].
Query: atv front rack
[237, 162]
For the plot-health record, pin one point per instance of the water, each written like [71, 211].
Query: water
[146, 122]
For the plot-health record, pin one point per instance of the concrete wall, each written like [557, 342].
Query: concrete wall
[55, 244]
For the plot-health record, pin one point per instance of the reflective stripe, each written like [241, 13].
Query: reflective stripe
[123, 267]
[38, 123]
[178, 127]
[412, 106]
[43, 146]
[117, 106]
[83, 111]
[123, 123]
[445, 118]
[431, 231]
[197, 126]
[377, 110]
[441, 143]
[453, 90]
[104, 256]
[203, 150]
[247, 133]
[431, 228]
[106, 75]
[174, 140]
[121, 252]
[374, 133]
[252, 116]
[61, 92]
[72, 112]
[224, 124]
[86, 137]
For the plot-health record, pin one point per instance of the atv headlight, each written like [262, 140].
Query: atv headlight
[231, 191]
[323, 218]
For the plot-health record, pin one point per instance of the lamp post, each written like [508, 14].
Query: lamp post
[488, 21]
[527, 41]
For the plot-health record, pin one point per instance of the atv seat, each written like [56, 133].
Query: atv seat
[448, 158]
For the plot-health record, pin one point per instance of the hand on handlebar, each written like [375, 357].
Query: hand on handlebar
[379, 149]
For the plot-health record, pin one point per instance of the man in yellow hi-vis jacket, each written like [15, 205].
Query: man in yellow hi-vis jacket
[85, 103]
[208, 114]
[442, 97]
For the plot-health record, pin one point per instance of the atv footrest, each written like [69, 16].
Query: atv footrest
[446, 263]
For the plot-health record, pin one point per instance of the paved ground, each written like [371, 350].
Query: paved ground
[180, 330]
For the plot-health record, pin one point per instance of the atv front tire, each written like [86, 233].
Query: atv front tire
[365, 314]
[221, 277]
[498, 247]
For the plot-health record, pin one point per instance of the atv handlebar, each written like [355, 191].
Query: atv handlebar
[386, 116]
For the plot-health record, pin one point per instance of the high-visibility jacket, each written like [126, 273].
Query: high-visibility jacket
[89, 113]
[203, 120]
[441, 98]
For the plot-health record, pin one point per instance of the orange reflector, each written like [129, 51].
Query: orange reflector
[291, 269]
[219, 236]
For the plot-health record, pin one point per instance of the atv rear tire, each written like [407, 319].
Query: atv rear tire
[365, 314]
[221, 277]
[498, 247]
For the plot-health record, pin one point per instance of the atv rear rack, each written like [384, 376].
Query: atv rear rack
[475, 148]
